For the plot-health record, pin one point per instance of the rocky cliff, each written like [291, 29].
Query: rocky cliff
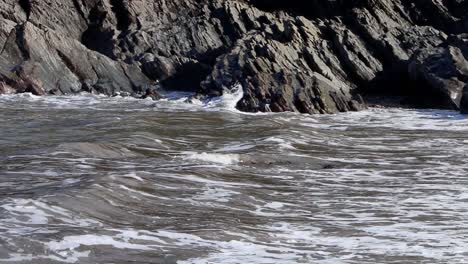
[310, 56]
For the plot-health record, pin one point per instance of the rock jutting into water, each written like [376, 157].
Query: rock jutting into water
[307, 56]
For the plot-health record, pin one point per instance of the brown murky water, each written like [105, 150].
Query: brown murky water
[113, 180]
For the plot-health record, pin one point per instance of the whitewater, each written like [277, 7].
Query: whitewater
[92, 179]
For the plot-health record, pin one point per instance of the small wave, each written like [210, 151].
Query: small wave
[97, 150]
[172, 100]
[282, 143]
[225, 159]
[229, 99]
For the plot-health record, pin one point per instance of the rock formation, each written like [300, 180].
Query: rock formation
[309, 56]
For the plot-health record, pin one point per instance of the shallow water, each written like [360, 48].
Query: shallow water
[113, 180]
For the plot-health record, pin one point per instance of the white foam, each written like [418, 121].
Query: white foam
[236, 147]
[133, 175]
[69, 243]
[393, 118]
[143, 193]
[26, 214]
[68, 248]
[229, 99]
[172, 101]
[394, 192]
[215, 194]
[71, 257]
[224, 159]
[210, 182]
[274, 205]
[282, 143]
[70, 181]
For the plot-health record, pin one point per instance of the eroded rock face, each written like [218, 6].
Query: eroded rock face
[43, 62]
[286, 55]
[443, 71]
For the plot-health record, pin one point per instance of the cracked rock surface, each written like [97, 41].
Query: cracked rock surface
[308, 56]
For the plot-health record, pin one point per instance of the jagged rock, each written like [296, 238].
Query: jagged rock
[287, 55]
[444, 71]
[276, 77]
[153, 94]
[43, 62]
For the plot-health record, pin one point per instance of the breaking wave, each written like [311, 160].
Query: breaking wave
[91, 179]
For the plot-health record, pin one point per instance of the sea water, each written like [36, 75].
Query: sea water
[91, 179]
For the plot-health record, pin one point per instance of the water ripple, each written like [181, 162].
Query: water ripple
[91, 179]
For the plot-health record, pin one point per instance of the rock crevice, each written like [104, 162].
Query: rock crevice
[26, 6]
[122, 14]
[299, 55]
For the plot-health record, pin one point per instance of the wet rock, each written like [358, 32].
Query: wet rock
[279, 72]
[152, 94]
[43, 62]
[6, 89]
[286, 55]
[443, 72]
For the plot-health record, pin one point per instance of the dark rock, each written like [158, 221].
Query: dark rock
[285, 55]
[443, 72]
[6, 89]
[464, 101]
[43, 62]
[152, 93]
